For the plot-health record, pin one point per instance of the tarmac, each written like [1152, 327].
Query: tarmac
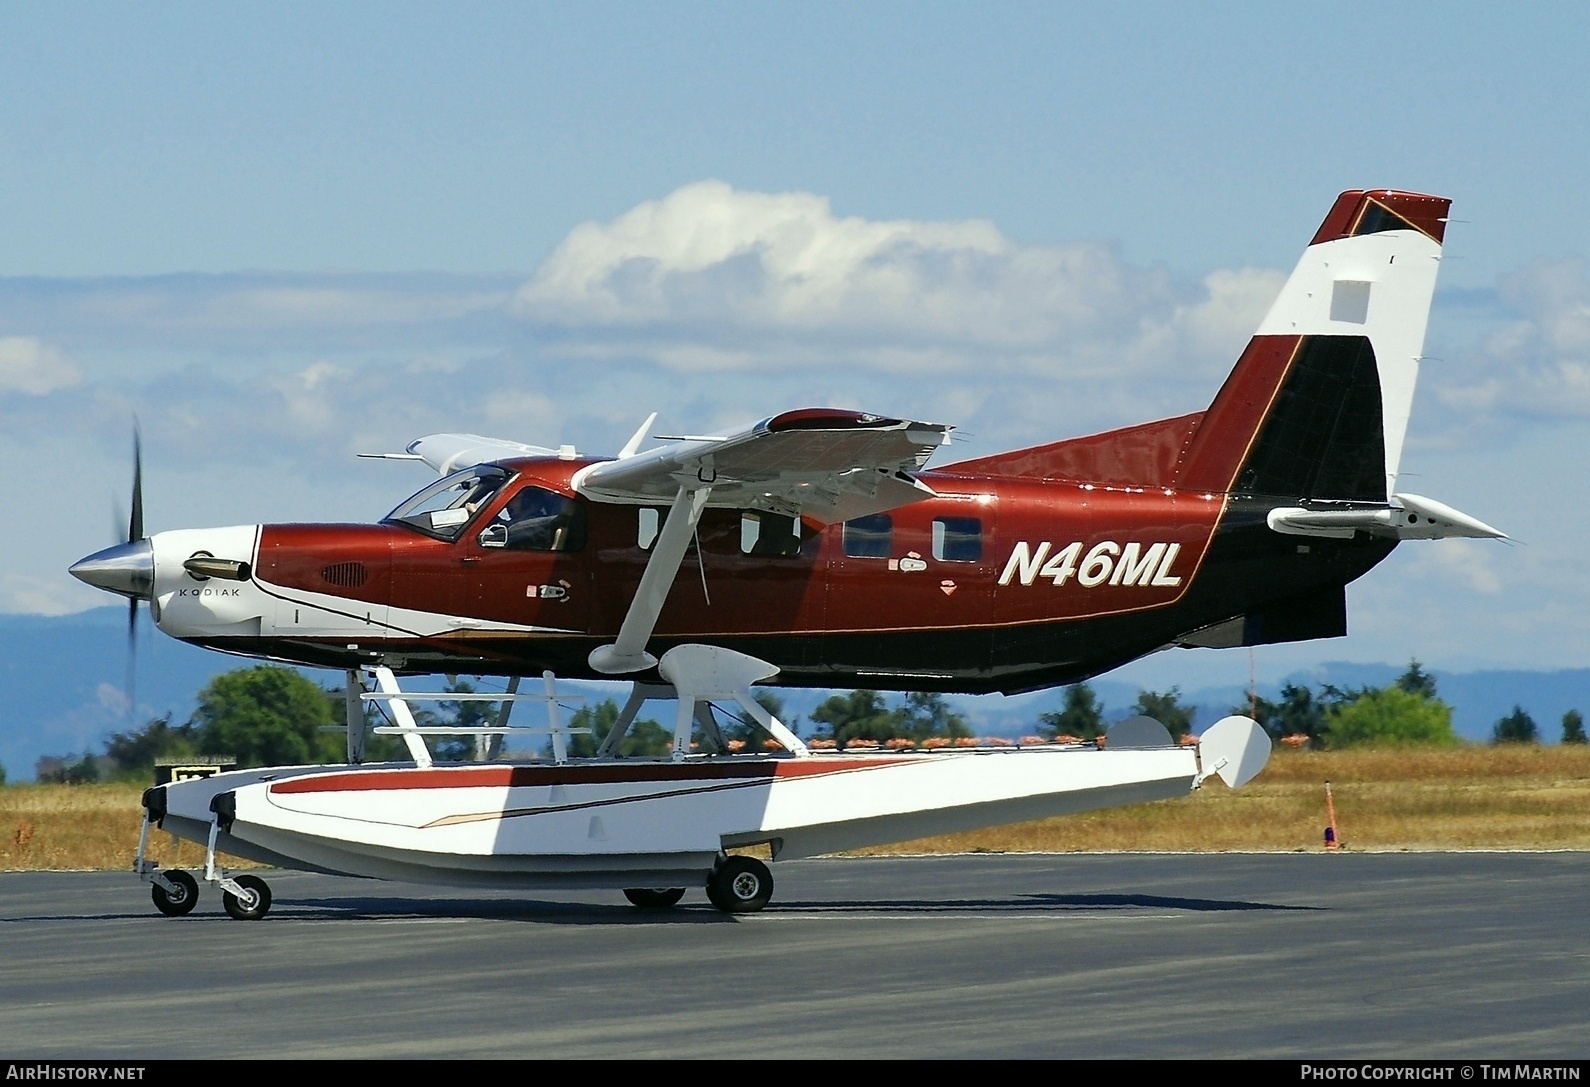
[1308, 955]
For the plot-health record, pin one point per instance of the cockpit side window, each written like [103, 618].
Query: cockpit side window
[536, 519]
[446, 506]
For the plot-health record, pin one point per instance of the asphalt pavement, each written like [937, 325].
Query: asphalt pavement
[1396, 955]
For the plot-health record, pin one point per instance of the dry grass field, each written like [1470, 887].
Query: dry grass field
[1521, 797]
[1514, 797]
[74, 827]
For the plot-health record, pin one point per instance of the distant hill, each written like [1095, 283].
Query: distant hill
[62, 684]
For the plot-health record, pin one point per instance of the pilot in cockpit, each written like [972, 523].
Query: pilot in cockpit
[536, 520]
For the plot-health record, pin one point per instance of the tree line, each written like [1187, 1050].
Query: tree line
[269, 715]
[1408, 712]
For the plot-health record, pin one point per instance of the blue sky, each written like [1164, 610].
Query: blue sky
[283, 234]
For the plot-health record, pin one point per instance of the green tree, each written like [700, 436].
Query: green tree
[1572, 730]
[1391, 717]
[1417, 681]
[67, 769]
[645, 736]
[1296, 712]
[2, 773]
[1082, 715]
[1516, 728]
[376, 748]
[266, 716]
[743, 727]
[859, 715]
[925, 715]
[132, 754]
[1166, 707]
[863, 715]
[468, 714]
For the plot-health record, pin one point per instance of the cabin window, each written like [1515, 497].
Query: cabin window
[958, 539]
[446, 506]
[648, 524]
[763, 533]
[537, 519]
[869, 537]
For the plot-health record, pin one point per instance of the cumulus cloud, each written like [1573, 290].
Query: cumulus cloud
[716, 307]
[46, 595]
[1536, 362]
[28, 365]
[1469, 564]
[113, 699]
[714, 278]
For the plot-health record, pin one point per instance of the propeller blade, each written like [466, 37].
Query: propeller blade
[135, 527]
[132, 655]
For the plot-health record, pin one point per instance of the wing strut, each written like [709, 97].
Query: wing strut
[628, 652]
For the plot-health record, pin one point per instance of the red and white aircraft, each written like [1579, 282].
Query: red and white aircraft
[817, 547]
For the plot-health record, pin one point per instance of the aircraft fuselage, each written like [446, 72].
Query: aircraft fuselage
[997, 584]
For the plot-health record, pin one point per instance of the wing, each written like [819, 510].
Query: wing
[822, 463]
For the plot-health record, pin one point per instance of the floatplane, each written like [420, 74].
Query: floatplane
[827, 553]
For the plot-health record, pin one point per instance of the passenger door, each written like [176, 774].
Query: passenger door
[526, 563]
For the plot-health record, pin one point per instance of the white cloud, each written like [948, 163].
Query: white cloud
[522, 412]
[113, 699]
[57, 595]
[1536, 364]
[28, 365]
[713, 278]
[1467, 564]
[297, 307]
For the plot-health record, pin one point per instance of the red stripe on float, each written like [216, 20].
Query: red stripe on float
[519, 776]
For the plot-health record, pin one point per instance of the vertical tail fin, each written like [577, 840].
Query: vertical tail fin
[1318, 404]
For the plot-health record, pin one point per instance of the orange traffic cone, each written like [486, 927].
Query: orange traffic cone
[1331, 839]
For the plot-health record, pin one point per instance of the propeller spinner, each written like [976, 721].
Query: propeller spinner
[128, 568]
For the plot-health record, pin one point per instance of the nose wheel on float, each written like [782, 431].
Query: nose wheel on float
[175, 892]
[250, 901]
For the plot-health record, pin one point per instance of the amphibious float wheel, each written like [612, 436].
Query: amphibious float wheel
[740, 885]
[654, 898]
[253, 903]
[180, 901]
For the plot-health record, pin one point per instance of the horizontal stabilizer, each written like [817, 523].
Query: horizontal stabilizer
[447, 453]
[1408, 517]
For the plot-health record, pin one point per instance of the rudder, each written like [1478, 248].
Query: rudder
[1317, 406]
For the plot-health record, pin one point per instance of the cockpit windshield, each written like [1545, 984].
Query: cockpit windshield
[446, 506]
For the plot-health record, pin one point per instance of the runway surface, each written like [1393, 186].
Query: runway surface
[1291, 955]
